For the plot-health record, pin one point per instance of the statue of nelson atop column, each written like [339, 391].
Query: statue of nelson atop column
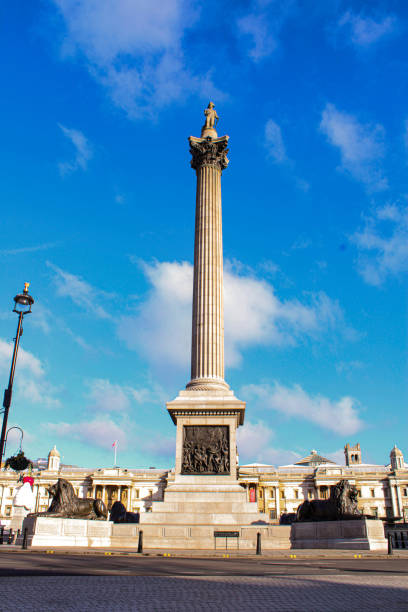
[211, 120]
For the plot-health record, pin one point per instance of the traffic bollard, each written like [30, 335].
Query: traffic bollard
[258, 544]
[140, 543]
[390, 544]
[24, 545]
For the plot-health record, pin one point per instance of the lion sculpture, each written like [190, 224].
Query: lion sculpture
[65, 504]
[118, 514]
[341, 506]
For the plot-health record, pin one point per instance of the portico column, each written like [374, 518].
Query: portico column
[399, 499]
[277, 502]
[394, 500]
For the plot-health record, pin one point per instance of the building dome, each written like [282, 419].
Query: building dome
[396, 452]
[53, 452]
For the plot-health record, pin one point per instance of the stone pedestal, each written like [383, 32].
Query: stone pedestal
[361, 534]
[206, 408]
[44, 531]
[19, 514]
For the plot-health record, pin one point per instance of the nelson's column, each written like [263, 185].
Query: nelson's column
[204, 491]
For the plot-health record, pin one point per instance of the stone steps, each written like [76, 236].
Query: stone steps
[178, 495]
[236, 518]
[191, 507]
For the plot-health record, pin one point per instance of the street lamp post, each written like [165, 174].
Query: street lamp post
[22, 306]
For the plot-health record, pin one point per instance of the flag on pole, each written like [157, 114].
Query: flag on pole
[115, 446]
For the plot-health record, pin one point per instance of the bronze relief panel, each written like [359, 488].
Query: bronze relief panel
[206, 450]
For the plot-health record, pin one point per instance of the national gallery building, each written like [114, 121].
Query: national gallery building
[382, 489]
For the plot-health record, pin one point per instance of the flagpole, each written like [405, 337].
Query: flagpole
[115, 454]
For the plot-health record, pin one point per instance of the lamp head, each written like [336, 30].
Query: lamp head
[23, 301]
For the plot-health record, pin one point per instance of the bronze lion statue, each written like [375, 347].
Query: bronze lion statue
[118, 514]
[65, 504]
[341, 506]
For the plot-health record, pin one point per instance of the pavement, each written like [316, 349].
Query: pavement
[67, 581]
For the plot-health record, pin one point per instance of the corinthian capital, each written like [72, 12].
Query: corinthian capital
[209, 152]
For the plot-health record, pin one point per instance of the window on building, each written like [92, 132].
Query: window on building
[310, 493]
[296, 493]
[137, 493]
[8, 511]
[372, 492]
[374, 512]
[272, 514]
[324, 493]
[272, 493]
[283, 495]
[260, 493]
[405, 491]
[150, 492]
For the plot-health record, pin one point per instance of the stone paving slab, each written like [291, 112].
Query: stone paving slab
[343, 593]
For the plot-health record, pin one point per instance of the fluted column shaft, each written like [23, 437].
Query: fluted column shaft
[207, 349]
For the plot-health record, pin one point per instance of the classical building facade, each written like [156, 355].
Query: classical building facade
[382, 489]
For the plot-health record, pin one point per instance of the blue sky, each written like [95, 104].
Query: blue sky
[99, 98]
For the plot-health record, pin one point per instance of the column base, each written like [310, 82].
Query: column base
[207, 384]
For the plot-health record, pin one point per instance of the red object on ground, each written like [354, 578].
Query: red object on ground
[29, 479]
[252, 494]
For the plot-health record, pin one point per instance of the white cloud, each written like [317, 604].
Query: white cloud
[261, 26]
[100, 432]
[39, 392]
[30, 382]
[254, 442]
[108, 410]
[29, 249]
[365, 31]
[347, 367]
[158, 445]
[81, 293]
[14, 440]
[161, 327]
[27, 362]
[105, 396]
[274, 142]
[361, 146]
[83, 151]
[263, 41]
[276, 151]
[336, 456]
[383, 244]
[340, 417]
[135, 50]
